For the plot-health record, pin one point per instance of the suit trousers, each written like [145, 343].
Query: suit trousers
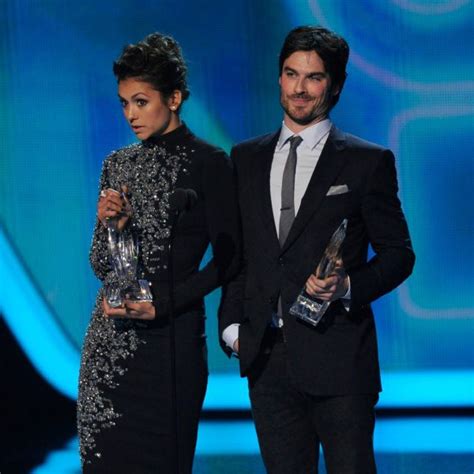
[291, 425]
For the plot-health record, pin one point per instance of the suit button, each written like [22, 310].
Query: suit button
[281, 261]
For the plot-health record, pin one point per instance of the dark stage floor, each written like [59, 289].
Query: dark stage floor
[420, 453]
[38, 432]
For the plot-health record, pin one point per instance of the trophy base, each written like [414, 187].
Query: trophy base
[113, 295]
[308, 309]
[139, 293]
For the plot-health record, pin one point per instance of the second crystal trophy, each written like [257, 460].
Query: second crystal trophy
[123, 253]
[309, 308]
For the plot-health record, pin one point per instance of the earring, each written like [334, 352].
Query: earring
[173, 107]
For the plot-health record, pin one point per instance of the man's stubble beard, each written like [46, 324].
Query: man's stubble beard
[313, 116]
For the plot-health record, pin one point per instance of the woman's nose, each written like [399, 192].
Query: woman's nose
[130, 113]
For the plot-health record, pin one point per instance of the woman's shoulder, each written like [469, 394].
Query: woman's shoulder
[205, 151]
[121, 157]
[124, 152]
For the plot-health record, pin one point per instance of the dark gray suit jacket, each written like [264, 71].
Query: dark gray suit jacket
[340, 355]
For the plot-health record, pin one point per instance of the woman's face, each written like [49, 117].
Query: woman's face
[145, 109]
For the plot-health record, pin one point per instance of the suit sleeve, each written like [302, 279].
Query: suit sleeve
[387, 233]
[231, 309]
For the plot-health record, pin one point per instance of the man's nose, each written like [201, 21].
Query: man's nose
[300, 85]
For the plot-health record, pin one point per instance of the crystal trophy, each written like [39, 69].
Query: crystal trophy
[306, 307]
[123, 254]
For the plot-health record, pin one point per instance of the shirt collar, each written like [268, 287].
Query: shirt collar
[311, 135]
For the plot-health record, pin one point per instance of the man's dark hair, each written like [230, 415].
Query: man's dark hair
[158, 60]
[330, 47]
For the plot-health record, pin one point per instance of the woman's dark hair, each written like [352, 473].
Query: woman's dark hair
[158, 60]
[330, 47]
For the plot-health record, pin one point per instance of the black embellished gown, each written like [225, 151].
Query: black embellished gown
[124, 406]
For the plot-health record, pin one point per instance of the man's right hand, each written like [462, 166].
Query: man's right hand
[331, 288]
[236, 346]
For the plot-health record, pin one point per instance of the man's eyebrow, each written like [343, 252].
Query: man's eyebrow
[316, 73]
[309, 74]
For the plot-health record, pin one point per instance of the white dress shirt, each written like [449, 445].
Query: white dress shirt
[308, 153]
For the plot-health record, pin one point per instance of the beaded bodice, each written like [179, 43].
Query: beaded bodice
[149, 170]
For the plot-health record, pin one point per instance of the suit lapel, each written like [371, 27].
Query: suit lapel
[328, 168]
[263, 159]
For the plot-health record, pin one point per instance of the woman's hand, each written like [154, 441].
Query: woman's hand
[130, 309]
[114, 204]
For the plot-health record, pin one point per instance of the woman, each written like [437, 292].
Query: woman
[125, 419]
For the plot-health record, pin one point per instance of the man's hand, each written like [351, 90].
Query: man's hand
[130, 309]
[236, 346]
[332, 288]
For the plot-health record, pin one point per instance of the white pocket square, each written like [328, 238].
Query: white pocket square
[340, 189]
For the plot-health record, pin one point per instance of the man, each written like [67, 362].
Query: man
[313, 385]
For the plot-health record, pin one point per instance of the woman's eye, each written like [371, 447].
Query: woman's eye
[123, 103]
[141, 102]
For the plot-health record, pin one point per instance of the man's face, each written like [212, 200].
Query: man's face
[305, 90]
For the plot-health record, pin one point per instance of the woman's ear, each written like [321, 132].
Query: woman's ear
[175, 100]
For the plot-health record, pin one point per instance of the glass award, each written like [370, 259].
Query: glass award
[123, 253]
[309, 308]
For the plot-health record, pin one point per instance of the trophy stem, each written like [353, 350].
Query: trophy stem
[123, 253]
[306, 307]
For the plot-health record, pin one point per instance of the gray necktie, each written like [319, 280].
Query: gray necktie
[287, 213]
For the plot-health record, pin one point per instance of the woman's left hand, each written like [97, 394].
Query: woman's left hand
[130, 309]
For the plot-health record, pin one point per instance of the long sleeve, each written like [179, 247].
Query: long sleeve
[98, 254]
[221, 215]
[231, 309]
[388, 234]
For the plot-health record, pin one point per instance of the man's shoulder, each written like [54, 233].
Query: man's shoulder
[255, 143]
[356, 143]
[359, 151]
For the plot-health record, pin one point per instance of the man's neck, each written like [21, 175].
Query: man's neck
[298, 128]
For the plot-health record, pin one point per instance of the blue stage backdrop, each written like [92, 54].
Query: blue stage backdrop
[410, 87]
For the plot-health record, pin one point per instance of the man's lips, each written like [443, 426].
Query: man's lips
[135, 128]
[300, 100]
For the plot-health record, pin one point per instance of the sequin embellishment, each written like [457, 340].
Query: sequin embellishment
[104, 348]
[150, 173]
